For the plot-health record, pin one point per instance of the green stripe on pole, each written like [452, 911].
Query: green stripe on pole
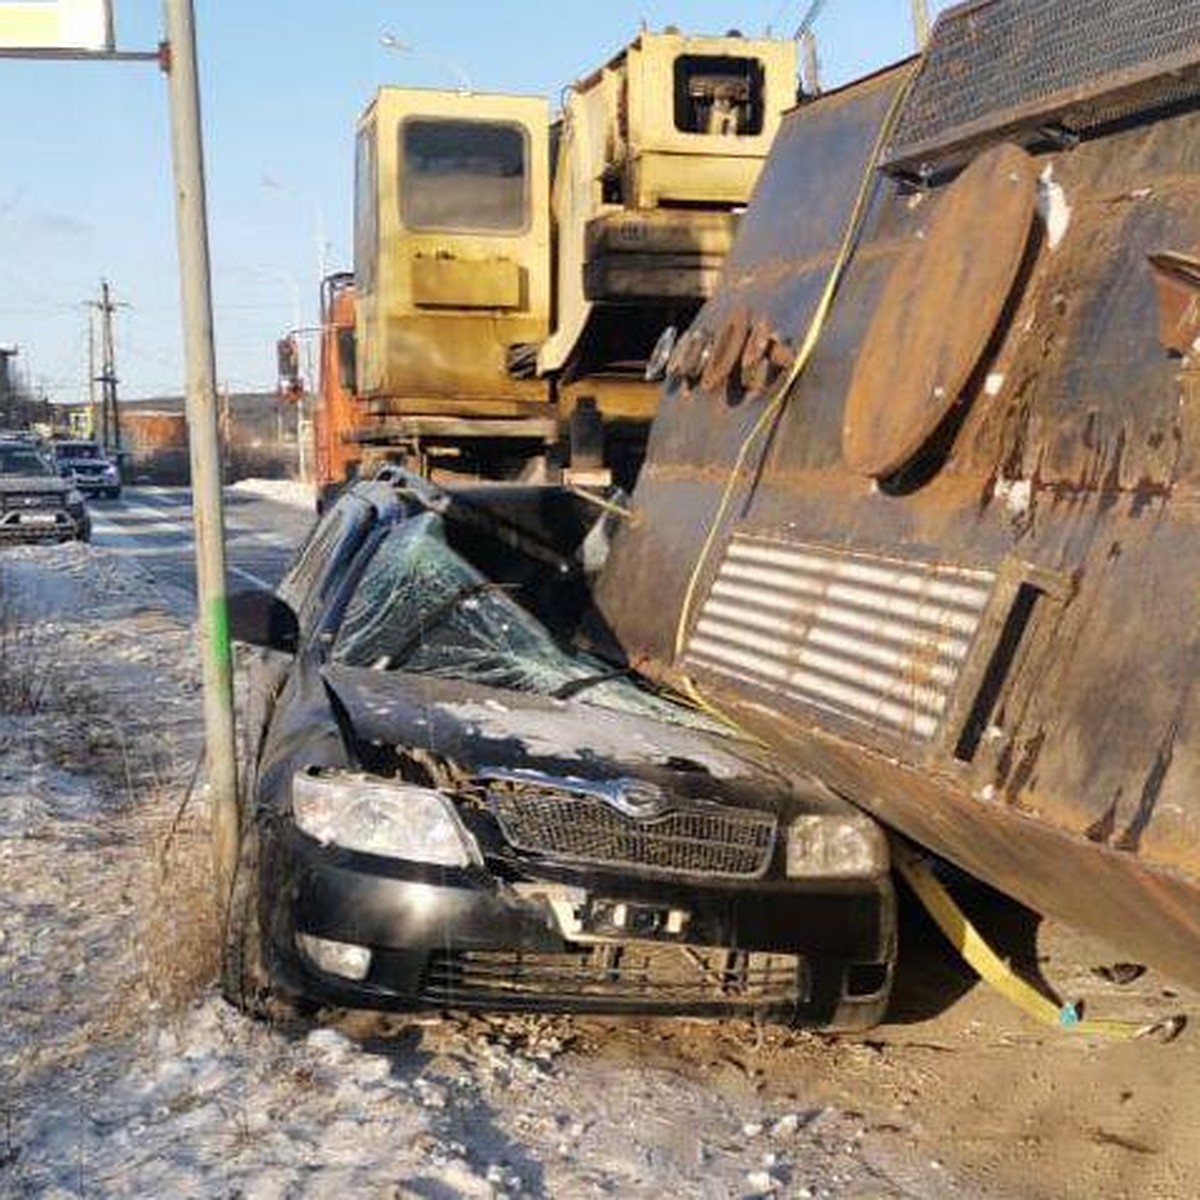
[218, 624]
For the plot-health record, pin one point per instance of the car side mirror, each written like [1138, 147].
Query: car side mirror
[261, 619]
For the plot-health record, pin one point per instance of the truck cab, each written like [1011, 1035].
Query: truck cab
[452, 259]
[508, 267]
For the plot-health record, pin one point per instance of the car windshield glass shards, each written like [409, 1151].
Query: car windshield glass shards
[423, 609]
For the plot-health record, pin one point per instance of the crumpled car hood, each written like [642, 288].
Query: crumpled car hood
[478, 727]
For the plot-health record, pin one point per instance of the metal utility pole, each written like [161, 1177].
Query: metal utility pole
[920, 12]
[205, 447]
[810, 63]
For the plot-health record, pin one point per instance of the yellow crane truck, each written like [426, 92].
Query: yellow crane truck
[514, 275]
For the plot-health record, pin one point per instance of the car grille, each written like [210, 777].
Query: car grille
[725, 842]
[655, 976]
[29, 501]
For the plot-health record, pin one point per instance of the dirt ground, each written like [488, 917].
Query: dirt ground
[123, 1073]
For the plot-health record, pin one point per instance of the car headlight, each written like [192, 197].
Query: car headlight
[381, 816]
[820, 845]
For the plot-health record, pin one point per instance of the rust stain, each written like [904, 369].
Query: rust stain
[1177, 283]
[1151, 790]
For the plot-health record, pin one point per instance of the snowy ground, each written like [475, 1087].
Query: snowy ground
[125, 1074]
[122, 1073]
[283, 491]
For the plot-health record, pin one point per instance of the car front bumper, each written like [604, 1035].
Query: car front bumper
[46, 525]
[818, 953]
[96, 485]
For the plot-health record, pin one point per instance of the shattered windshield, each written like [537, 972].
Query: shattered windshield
[421, 608]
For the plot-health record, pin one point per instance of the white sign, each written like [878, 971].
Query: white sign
[56, 25]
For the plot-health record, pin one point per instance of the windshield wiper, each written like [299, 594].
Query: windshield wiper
[574, 686]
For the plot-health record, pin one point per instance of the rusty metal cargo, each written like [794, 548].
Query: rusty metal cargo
[941, 546]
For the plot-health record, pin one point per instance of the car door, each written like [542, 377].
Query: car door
[305, 587]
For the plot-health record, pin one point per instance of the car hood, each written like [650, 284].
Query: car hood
[481, 729]
[33, 483]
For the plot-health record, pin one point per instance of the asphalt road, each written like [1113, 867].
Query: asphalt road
[153, 525]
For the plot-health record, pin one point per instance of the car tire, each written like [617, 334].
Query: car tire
[245, 979]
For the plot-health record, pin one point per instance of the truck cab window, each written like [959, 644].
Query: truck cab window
[464, 175]
[717, 95]
[366, 209]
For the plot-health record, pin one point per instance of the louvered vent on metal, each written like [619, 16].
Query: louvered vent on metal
[877, 641]
[1007, 68]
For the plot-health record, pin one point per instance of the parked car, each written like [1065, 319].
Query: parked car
[95, 473]
[36, 503]
[451, 807]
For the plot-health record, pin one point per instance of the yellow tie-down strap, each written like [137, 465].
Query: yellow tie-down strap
[917, 872]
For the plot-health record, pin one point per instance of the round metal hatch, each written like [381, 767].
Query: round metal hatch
[939, 311]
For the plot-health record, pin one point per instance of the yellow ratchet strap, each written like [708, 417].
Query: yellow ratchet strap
[994, 971]
[772, 408]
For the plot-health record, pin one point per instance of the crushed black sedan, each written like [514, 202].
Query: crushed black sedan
[449, 807]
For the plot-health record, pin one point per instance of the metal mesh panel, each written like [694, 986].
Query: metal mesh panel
[663, 975]
[1003, 59]
[726, 842]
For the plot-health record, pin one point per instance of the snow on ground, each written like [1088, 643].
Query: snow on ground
[122, 1072]
[282, 491]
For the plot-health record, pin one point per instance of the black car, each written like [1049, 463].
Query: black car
[450, 807]
[36, 503]
[95, 474]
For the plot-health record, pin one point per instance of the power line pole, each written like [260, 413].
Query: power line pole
[7, 385]
[91, 371]
[110, 413]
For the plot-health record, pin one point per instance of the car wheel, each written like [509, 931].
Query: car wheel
[245, 980]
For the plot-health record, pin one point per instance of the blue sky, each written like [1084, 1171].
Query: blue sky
[85, 173]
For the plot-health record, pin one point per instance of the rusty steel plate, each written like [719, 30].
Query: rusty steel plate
[1177, 282]
[727, 350]
[939, 311]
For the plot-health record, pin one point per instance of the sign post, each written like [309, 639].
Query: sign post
[203, 437]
